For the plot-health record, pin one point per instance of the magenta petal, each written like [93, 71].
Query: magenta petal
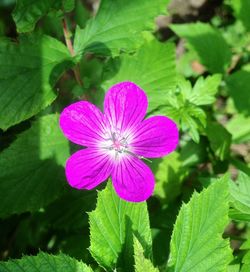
[82, 123]
[125, 105]
[132, 179]
[155, 137]
[87, 168]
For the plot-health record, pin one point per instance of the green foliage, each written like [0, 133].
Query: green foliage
[220, 140]
[44, 263]
[240, 191]
[152, 68]
[28, 12]
[141, 263]
[117, 26]
[197, 243]
[241, 10]
[28, 72]
[31, 168]
[112, 226]
[238, 86]
[209, 44]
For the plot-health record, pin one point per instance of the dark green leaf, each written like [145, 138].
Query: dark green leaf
[28, 72]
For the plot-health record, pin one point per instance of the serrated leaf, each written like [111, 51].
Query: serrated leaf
[204, 90]
[28, 73]
[196, 243]
[220, 140]
[28, 12]
[152, 68]
[141, 263]
[118, 26]
[31, 169]
[238, 86]
[240, 193]
[44, 262]
[209, 44]
[112, 225]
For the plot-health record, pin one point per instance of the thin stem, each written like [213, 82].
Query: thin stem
[68, 41]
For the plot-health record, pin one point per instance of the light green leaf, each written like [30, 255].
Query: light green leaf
[240, 193]
[28, 73]
[112, 225]
[239, 87]
[209, 44]
[246, 258]
[204, 90]
[118, 26]
[28, 12]
[241, 11]
[44, 262]
[196, 243]
[169, 174]
[220, 140]
[141, 263]
[31, 169]
[152, 68]
[237, 127]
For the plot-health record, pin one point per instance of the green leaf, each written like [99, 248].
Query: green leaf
[31, 169]
[241, 10]
[197, 243]
[246, 258]
[112, 225]
[239, 87]
[209, 44]
[204, 90]
[141, 263]
[118, 26]
[152, 68]
[240, 193]
[237, 127]
[220, 140]
[28, 12]
[169, 174]
[44, 262]
[28, 73]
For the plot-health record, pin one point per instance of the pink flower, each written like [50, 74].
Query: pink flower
[116, 141]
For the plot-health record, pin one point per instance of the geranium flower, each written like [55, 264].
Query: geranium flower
[117, 141]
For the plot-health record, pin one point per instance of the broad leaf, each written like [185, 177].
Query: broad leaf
[31, 169]
[28, 12]
[112, 225]
[220, 140]
[209, 44]
[239, 87]
[240, 193]
[197, 243]
[28, 73]
[141, 263]
[152, 68]
[118, 26]
[44, 262]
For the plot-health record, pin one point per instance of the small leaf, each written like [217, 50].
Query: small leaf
[31, 171]
[28, 12]
[118, 26]
[197, 243]
[209, 44]
[241, 10]
[220, 140]
[141, 263]
[44, 262]
[152, 68]
[240, 193]
[28, 73]
[112, 225]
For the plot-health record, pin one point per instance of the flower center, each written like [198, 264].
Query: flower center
[118, 143]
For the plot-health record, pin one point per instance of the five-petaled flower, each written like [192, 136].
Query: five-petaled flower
[117, 141]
